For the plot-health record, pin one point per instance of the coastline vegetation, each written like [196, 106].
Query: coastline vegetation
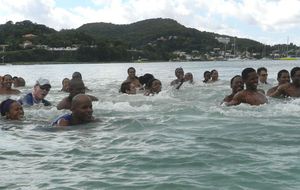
[148, 40]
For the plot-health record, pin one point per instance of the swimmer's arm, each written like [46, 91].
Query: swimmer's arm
[61, 105]
[236, 100]
[62, 122]
[279, 91]
[271, 91]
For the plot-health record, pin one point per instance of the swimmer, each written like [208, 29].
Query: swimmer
[145, 79]
[37, 96]
[250, 95]
[11, 109]
[214, 76]
[179, 73]
[76, 87]
[133, 78]
[188, 77]
[128, 88]
[262, 73]
[290, 89]
[77, 75]
[206, 76]
[65, 85]
[154, 87]
[283, 77]
[82, 110]
[236, 84]
[7, 82]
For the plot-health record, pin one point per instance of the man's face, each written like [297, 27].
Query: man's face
[179, 73]
[296, 78]
[237, 84]
[284, 78]
[76, 89]
[131, 73]
[214, 75]
[132, 89]
[15, 112]
[251, 80]
[156, 86]
[83, 110]
[263, 75]
[41, 91]
[7, 81]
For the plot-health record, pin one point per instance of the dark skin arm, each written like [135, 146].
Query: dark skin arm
[236, 100]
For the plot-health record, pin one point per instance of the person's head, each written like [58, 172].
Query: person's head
[15, 81]
[145, 78]
[189, 77]
[21, 81]
[128, 88]
[65, 84]
[250, 78]
[76, 75]
[131, 72]
[82, 108]
[214, 75]
[206, 76]
[283, 77]
[76, 86]
[11, 109]
[154, 86]
[179, 73]
[41, 88]
[18, 81]
[295, 75]
[7, 81]
[262, 73]
[236, 83]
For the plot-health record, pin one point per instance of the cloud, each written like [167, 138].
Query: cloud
[214, 15]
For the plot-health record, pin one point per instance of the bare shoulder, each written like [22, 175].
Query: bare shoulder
[63, 122]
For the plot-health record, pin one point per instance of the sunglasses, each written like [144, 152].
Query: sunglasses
[47, 88]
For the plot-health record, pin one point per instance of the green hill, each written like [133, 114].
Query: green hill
[153, 39]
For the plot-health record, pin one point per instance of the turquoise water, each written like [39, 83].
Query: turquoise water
[175, 140]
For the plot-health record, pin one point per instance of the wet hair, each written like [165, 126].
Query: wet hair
[21, 81]
[149, 84]
[145, 78]
[177, 69]
[246, 71]
[7, 75]
[206, 72]
[231, 81]
[5, 106]
[281, 72]
[294, 70]
[213, 71]
[130, 68]
[62, 82]
[76, 75]
[260, 69]
[125, 86]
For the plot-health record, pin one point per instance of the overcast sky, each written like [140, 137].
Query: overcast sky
[268, 21]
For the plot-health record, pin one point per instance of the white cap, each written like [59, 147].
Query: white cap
[43, 82]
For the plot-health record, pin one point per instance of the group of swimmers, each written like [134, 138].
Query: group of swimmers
[80, 104]
[254, 80]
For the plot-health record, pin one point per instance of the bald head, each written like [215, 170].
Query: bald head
[80, 99]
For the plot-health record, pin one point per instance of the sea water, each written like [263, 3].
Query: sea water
[178, 139]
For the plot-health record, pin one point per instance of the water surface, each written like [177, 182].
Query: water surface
[178, 139]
